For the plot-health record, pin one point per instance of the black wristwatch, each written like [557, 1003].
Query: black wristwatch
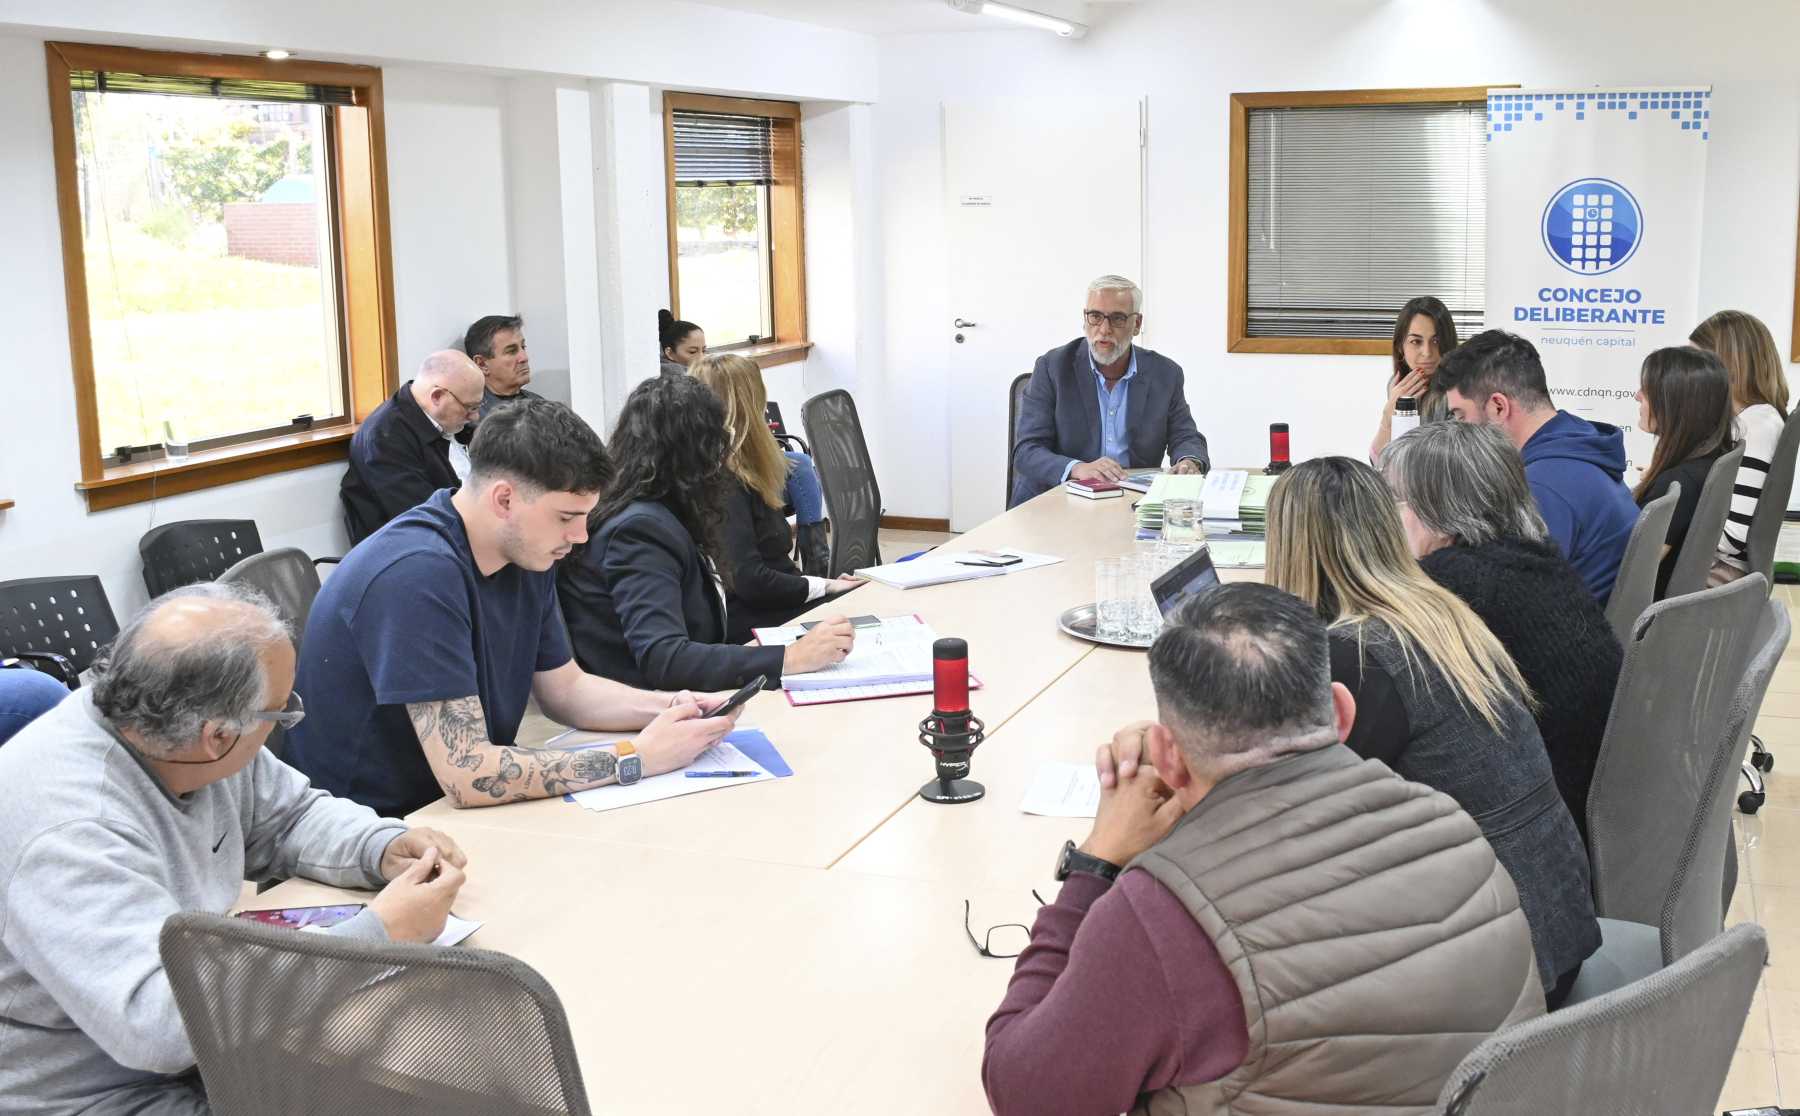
[1072, 859]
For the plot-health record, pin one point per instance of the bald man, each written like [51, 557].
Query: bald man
[407, 447]
[148, 793]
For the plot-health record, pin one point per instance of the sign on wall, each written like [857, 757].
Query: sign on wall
[1593, 253]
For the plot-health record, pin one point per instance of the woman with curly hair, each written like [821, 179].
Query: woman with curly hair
[644, 598]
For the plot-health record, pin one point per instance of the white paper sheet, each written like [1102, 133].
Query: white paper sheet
[896, 650]
[1220, 497]
[1063, 790]
[723, 756]
[941, 567]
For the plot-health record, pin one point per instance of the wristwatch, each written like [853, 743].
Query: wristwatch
[631, 765]
[1072, 859]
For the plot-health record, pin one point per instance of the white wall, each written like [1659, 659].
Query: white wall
[1188, 58]
[482, 117]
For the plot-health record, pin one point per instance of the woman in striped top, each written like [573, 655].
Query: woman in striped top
[1759, 398]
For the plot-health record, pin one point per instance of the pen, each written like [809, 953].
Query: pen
[723, 774]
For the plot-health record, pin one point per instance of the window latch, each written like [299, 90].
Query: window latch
[304, 422]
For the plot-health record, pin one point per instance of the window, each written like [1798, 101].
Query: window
[735, 253]
[1346, 204]
[225, 259]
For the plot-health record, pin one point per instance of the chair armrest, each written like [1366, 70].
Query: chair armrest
[57, 666]
[793, 442]
[322, 561]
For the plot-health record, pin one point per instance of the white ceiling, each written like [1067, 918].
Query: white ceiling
[894, 17]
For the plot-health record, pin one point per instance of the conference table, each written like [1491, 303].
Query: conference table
[797, 945]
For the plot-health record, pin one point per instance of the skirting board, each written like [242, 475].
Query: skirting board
[914, 523]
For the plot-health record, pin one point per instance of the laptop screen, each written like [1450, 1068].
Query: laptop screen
[1195, 574]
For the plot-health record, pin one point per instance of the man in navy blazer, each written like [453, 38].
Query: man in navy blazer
[1100, 406]
[409, 447]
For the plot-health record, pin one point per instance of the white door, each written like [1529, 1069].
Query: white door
[1044, 195]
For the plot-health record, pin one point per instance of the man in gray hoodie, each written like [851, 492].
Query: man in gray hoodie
[147, 794]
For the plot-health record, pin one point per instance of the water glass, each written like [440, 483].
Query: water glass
[1146, 618]
[1181, 521]
[1112, 598]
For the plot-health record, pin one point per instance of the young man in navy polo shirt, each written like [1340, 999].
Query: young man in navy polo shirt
[425, 644]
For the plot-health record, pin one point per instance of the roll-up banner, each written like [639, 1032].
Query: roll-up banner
[1593, 235]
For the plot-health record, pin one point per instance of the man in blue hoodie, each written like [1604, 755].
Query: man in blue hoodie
[1576, 468]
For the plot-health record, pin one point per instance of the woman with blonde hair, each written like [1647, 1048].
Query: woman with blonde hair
[1759, 399]
[767, 589]
[1438, 699]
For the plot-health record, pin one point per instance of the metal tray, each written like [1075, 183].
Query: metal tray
[1080, 622]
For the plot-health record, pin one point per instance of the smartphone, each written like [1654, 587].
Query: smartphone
[748, 691]
[305, 918]
[988, 558]
[855, 622]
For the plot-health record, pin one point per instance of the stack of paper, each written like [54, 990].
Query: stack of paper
[1167, 486]
[1238, 554]
[1253, 508]
[940, 566]
[1063, 790]
[741, 750]
[896, 650]
[1140, 482]
[1219, 500]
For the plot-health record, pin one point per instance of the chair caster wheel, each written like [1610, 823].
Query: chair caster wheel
[1749, 802]
[1763, 761]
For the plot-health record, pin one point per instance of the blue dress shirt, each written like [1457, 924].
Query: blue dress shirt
[1115, 429]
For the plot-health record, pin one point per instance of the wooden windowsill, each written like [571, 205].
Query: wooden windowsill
[1314, 346]
[770, 353]
[4, 504]
[146, 480]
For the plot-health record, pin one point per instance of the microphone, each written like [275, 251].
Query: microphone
[951, 732]
[1278, 449]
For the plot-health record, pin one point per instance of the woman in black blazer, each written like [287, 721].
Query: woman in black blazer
[643, 598]
[767, 588]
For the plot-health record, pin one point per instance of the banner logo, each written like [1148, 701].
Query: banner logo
[1592, 226]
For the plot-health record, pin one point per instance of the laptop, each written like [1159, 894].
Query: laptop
[1193, 575]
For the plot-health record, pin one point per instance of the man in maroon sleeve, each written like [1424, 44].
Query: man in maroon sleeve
[1264, 922]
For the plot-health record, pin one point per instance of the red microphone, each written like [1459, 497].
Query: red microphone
[952, 731]
[1278, 448]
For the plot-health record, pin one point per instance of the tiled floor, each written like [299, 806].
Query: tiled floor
[1767, 1067]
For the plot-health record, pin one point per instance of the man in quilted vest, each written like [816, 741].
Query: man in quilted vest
[1264, 923]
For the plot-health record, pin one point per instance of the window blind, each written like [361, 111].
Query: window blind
[717, 149]
[1354, 210]
[236, 89]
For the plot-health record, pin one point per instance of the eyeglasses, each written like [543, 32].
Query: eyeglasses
[471, 408]
[1117, 319]
[1017, 934]
[288, 715]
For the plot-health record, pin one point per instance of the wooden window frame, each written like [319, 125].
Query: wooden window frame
[787, 239]
[1237, 284]
[365, 274]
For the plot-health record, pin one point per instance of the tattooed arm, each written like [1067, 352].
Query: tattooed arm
[476, 772]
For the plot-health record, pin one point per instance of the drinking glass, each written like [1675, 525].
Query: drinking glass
[1112, 598]
[1181, 521]
[1146, 618]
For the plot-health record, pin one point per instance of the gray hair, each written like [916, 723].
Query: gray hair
[1119, 283]
[1242, 674]
[1464, 480]
[166, 692]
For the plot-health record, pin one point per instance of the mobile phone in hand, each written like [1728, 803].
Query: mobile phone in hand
[743, 695]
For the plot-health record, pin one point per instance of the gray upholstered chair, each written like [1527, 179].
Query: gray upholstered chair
[1015, 396]
[287, 1023]
[1635, 587]
[1702, 542]
[1765, 532]
[1659, 814]
[1661, 1044]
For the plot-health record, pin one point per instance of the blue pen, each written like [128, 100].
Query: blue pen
[723, 774]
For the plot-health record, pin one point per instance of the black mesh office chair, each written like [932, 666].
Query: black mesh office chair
[286, 1023]
[193, 550]
[57, 624]
[1015, 397]
[852, 496]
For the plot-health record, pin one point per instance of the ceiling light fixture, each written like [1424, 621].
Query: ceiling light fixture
[278, 55]
[1068, 29]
